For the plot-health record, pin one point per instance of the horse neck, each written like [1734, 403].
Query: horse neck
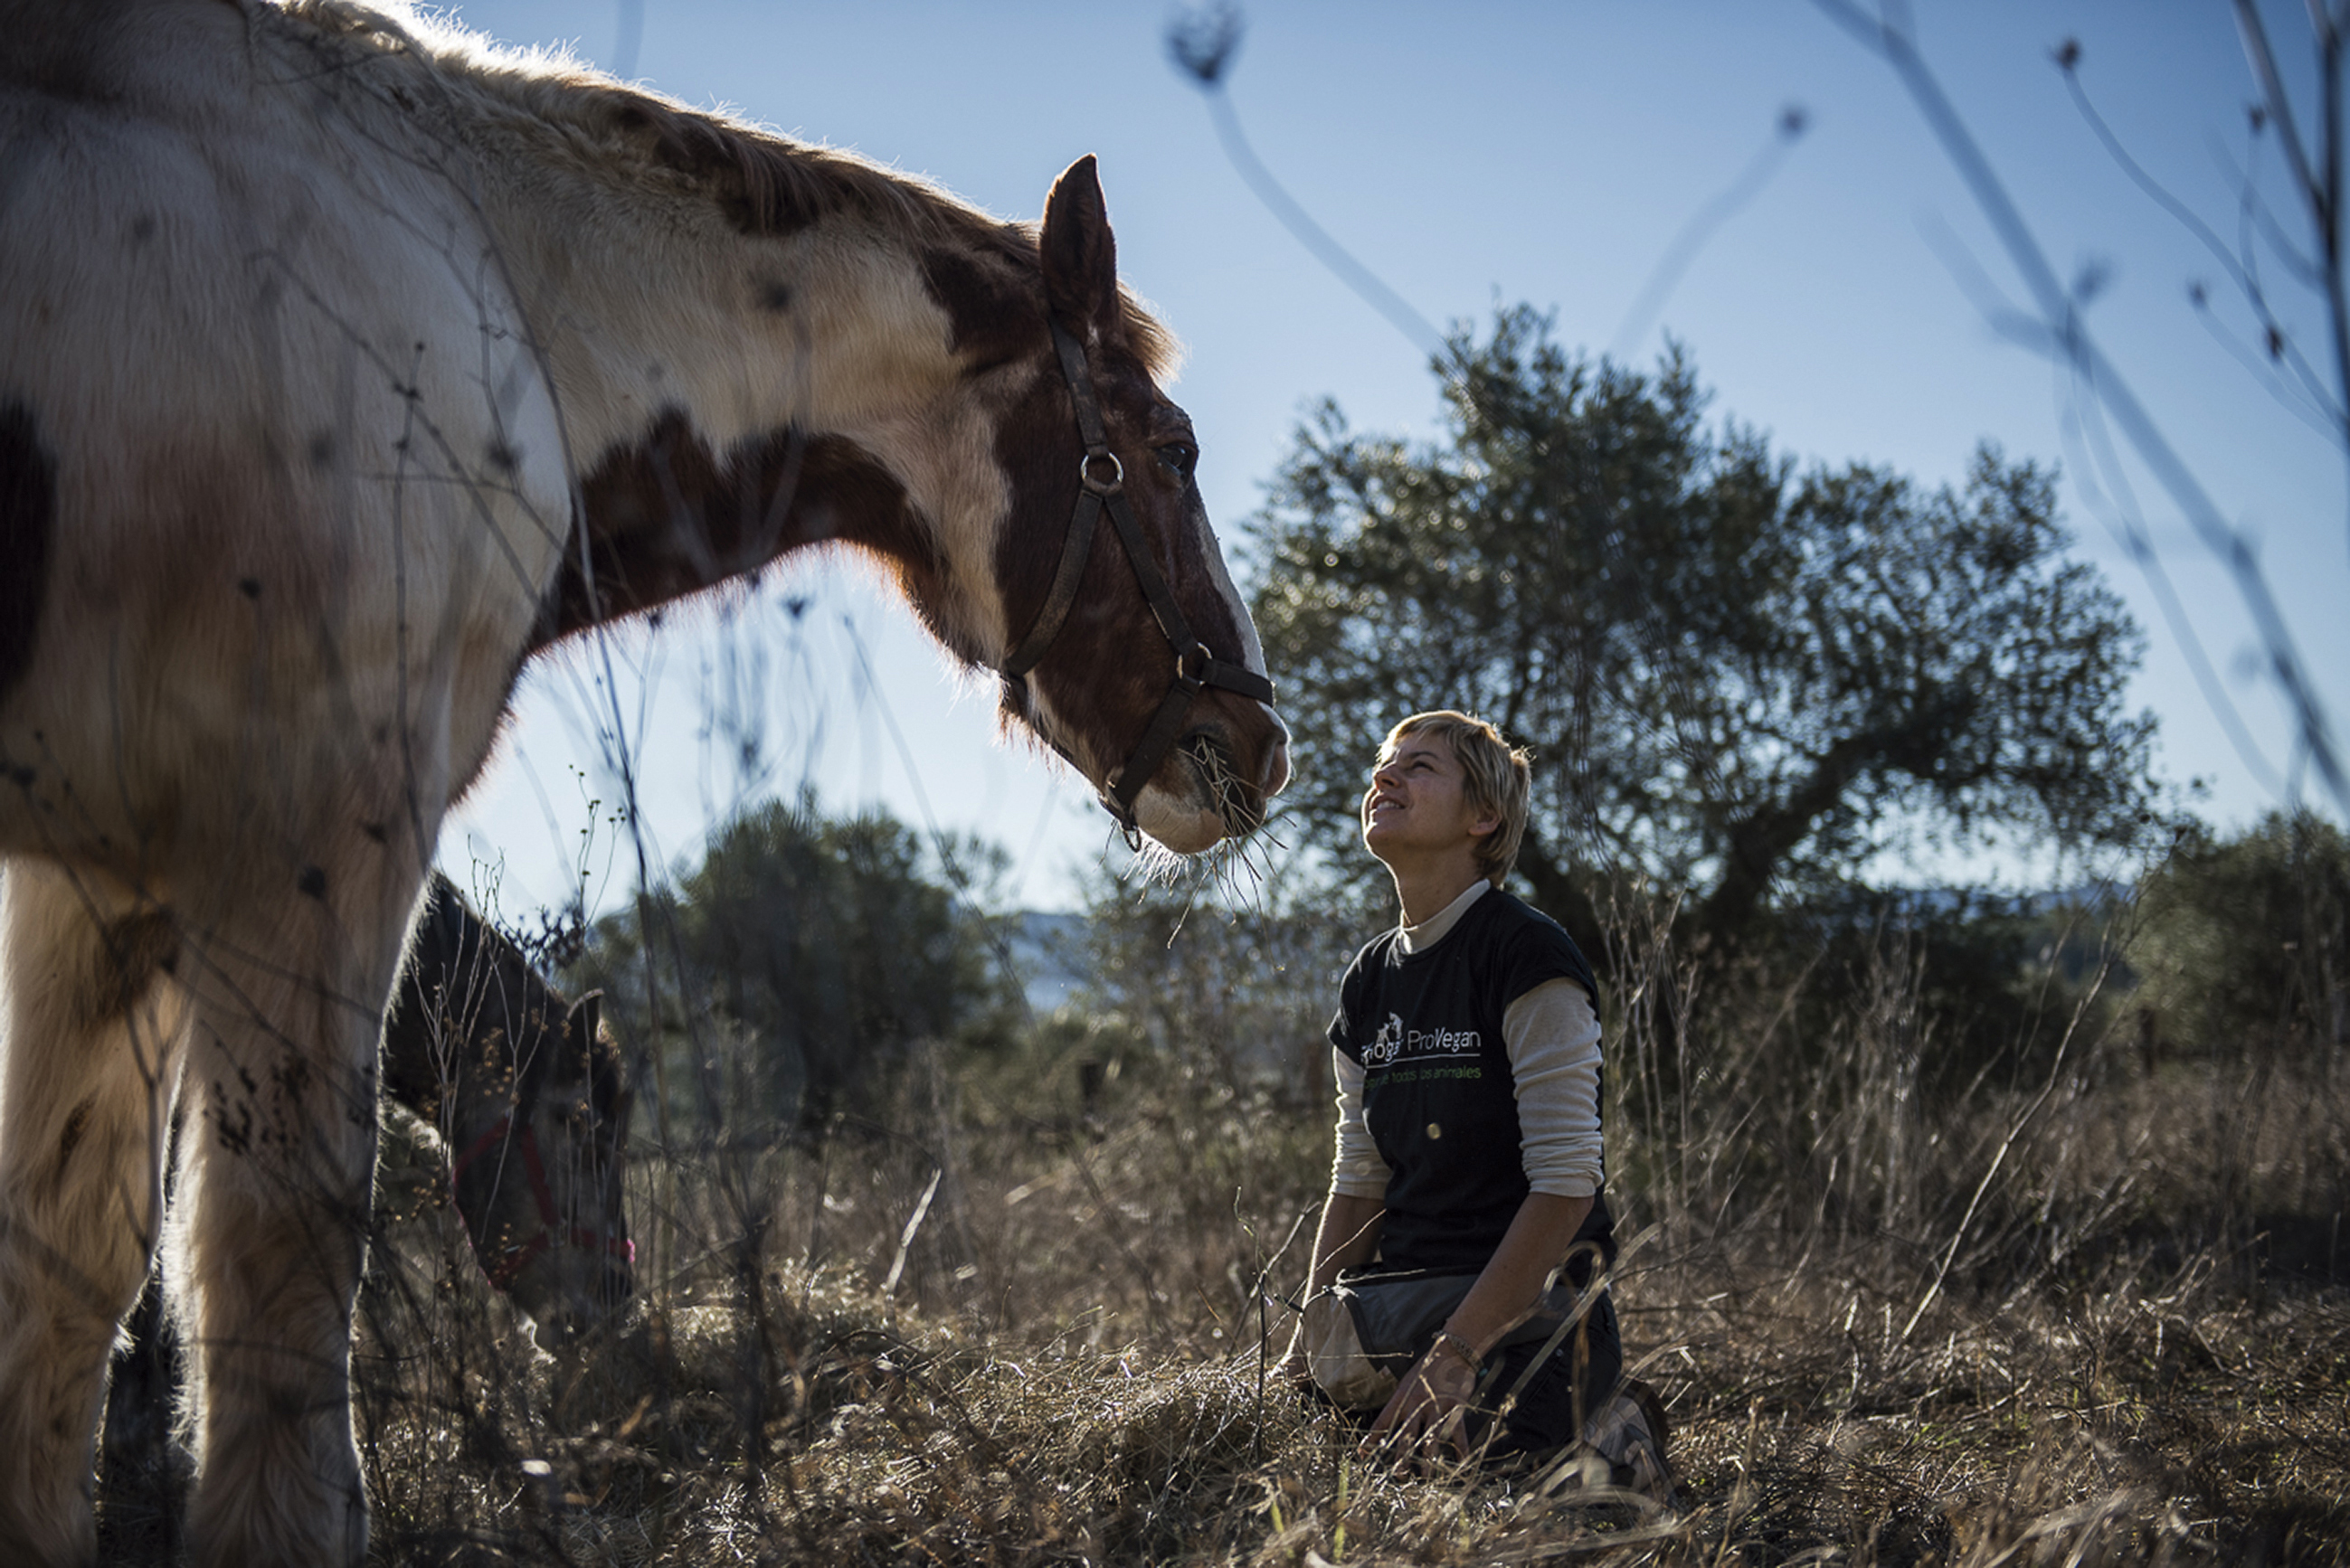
[470, 1028]
[760, 391]
[638, 317]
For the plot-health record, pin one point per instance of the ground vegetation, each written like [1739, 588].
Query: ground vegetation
[2087, 1304]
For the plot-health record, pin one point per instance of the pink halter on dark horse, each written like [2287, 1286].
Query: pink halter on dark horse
[344, 364]
[530, 1099]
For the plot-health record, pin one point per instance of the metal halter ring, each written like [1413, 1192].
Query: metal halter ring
[1086, 472]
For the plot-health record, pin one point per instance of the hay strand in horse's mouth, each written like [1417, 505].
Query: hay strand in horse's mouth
[1229, 791]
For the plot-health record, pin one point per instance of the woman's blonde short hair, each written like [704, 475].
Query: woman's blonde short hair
[1498, 778]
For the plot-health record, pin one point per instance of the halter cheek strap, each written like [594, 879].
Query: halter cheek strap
[1101, 480]
[513, 1257]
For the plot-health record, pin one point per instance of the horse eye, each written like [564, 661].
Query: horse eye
[1180, 457]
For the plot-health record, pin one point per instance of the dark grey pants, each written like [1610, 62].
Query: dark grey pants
[1564, 1390]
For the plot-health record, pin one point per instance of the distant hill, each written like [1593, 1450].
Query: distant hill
[1048, 950]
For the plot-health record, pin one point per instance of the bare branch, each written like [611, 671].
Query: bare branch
[1203, 45]
[2320, 188]
[1793, 122]
[2068, 339]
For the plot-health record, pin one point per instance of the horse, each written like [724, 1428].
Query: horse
[527, 1094]
[521, 1098]
[348, 363]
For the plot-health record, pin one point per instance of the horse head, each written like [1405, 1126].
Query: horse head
[540, 1182]
[529, 1095]
[1139, 662]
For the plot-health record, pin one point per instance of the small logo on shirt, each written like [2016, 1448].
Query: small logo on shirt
[1394, 1042]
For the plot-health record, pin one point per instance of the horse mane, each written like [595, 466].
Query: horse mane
[457, 958]
[765, 183]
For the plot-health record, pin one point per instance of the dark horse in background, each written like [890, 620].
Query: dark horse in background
[528, 1095]
[528, 1105]
[348, 363]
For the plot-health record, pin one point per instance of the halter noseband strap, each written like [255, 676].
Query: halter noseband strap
[1101, 480]
[512, 1257]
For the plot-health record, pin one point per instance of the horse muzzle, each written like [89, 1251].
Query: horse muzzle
[1204, 793]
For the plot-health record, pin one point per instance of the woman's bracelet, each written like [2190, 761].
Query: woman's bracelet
[1448, 1340]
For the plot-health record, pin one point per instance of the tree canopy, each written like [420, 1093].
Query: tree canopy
[833, 943]
[1734, 678]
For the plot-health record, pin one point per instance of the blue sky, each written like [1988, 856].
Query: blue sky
[1472, 155]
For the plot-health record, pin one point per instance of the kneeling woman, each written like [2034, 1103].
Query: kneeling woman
[1466, 1047]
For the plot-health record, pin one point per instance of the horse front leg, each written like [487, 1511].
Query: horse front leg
[90, 1043]
[271, 1213]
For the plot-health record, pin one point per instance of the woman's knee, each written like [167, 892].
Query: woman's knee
[1562, 1389]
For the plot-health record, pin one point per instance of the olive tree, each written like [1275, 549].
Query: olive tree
[1736, 678]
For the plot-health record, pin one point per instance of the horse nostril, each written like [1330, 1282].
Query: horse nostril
[1276, 767]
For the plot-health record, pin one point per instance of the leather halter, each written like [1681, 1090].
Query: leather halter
[1101, 482]
[513, 1257]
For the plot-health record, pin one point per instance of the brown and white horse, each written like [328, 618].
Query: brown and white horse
[344, 364]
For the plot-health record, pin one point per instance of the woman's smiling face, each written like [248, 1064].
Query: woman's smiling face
[1419, 802]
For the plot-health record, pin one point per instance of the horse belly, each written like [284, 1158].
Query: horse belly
[280, 486]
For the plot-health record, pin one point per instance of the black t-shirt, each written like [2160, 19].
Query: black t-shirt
[1437, 1089]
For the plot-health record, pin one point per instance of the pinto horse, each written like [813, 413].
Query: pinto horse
[344, 364]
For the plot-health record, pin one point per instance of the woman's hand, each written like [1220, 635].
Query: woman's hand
[1426, 1414]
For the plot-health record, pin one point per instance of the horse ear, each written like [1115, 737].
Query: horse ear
[1079, 257]
[587, 1017]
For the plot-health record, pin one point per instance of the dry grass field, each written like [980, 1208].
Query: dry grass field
[2085, 1308]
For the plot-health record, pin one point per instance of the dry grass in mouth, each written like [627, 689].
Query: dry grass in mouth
[1229, 791]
